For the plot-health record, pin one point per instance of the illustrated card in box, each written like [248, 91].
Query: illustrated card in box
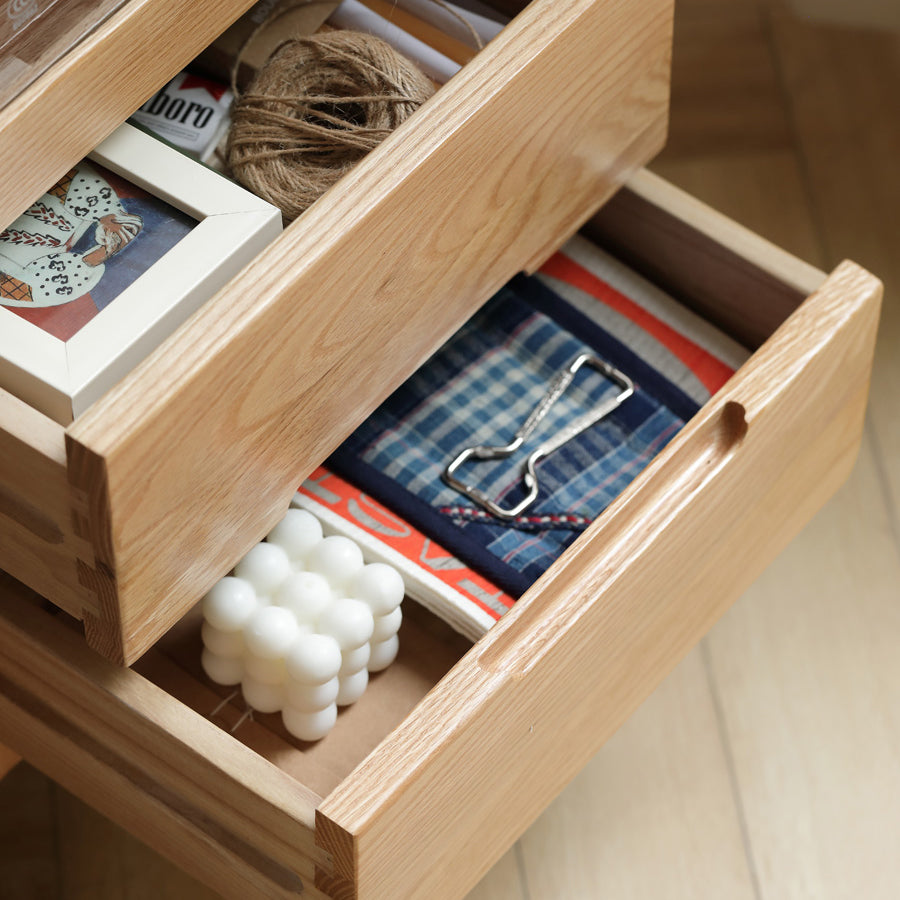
[109, 261]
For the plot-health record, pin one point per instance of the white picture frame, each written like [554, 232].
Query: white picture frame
[62, 378]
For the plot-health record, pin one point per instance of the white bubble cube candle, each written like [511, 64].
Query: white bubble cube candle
[301, 624]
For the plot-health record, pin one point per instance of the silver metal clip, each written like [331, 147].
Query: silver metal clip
[529, 475]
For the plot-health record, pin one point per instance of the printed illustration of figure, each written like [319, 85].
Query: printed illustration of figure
[56, 251]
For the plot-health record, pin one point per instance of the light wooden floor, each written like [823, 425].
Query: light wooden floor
[768, 765]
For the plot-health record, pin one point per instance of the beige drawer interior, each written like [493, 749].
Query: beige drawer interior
[486, 179]
[419, 788]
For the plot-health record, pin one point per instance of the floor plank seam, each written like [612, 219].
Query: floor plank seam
[523, 873]
[737, 797]
[881, 473]
[806, 180]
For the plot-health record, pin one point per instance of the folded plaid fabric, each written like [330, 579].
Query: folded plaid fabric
[683, 347]
[478, 389]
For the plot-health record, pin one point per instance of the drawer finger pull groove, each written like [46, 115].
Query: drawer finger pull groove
[705, 454]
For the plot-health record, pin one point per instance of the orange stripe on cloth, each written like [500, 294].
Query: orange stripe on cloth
[358, 508]
[710, 371]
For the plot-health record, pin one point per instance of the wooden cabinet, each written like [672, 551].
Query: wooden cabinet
[452, 752]
[506, 161]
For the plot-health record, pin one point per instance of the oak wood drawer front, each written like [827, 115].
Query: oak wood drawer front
[254, 391]
[451, 782]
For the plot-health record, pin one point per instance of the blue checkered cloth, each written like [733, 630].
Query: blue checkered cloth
[479, 388]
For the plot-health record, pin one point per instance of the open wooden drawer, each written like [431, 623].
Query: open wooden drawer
[509, 158]
[450, 755]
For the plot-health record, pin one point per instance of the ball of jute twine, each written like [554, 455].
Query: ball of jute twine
[318, 105]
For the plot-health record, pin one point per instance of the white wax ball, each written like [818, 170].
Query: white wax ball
[271, 631]
[310, 697]
[337, 558]
[222, 669]
[387, 626]
[222, 643]
[266, 671]
[297, 533]
[383, 654]
[381, 586]
[229, 603]
[305, 594]
[313, 659]
[352, 687]
[265, 566]
[348, 621]
[266, 698]
[309, 726]
[354, 660]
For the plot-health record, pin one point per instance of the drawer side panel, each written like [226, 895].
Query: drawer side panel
[38, 541]
[519, 717]
[732, 277]
[201, 449]
[154, 766]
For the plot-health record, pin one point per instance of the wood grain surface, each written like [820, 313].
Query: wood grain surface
[148, 762]
[576, 655]
[38, 543]
[80, 99]
[791, 127]
[742, 283]
[29, 48]
[740, 776]
[487, 178]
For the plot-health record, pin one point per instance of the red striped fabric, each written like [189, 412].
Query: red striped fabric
[710, 371]
[361, 510]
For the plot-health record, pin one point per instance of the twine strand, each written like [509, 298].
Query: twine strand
[319, 105]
